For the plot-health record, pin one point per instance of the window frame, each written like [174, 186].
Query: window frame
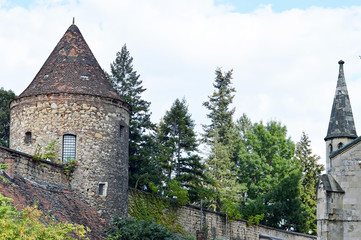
[68, 147]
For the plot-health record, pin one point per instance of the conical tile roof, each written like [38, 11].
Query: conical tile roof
[341, 121]
[71, 68]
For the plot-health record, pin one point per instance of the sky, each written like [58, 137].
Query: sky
[284, 54]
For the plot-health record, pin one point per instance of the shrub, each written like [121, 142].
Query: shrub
[130, 228]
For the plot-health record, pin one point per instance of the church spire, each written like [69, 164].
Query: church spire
[341, 123]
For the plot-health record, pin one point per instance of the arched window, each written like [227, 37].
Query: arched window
[69, 147]
[340, 145]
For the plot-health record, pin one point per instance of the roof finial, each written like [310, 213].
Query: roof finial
[73, 20]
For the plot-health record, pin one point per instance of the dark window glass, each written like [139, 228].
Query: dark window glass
[28, 138]
[101, 190]
[69, 147]
[340, 145]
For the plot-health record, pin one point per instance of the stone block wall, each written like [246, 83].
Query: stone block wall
[215, 225]
[190, 217]
[100, 126]
[40, 171]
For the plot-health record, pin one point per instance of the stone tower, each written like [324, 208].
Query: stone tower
[341, 128]
[71, 101]
[339, 190]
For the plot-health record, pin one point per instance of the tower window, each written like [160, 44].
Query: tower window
[330, 148]
[340, 145]
[69, 147]
[121, 130]
[102, 189]
[27, 139]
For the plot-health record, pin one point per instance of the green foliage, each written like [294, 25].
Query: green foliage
[70, 165]
[177, 154]
[3, 167]
[48, 152]
[311, 172]
[142, 166]
[175, 190]
[220, 137]
[130, 228]
[5, 98]
[255, 220]
[31, 223]
[264, 157]
[148, 207]
[218, 105]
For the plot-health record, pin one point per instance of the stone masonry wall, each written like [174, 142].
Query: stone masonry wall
[40, 171]
[101, 129]
[189, 217]
[339, 215]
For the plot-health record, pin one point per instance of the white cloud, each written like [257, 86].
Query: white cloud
[285, 64]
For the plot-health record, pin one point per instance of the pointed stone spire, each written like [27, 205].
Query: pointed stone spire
[341, 121]
[71, 68]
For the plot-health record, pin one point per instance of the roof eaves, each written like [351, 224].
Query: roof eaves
[344, 148]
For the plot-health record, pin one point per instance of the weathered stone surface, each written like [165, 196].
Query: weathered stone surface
[101, 148]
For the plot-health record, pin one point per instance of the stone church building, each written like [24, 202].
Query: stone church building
[339, 190]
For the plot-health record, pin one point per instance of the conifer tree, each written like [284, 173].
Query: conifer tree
[5, 98]
[178, 139]
[220, 137]
[219, 106]
[311, 172]
[142, 167]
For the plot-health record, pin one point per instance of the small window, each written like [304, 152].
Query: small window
[69, 147]
[102, 190]
[330, 148]
[121, 131]
[27, 138]
[340, 145]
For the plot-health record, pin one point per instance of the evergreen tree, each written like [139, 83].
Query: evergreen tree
[311, 172]
[178, 140]
[142, 167]
[220, 112]
[5, 98]
[220, 137]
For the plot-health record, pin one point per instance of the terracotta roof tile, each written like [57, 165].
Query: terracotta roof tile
[71, 68]
[59, 202]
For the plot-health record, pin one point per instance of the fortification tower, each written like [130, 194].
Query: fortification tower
[341, 128]
[71, 101]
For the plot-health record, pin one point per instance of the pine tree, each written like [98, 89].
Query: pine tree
[178, 140]
[5, 98]
[311, 172]
[142, 167]
[219, 106]
[220, 137]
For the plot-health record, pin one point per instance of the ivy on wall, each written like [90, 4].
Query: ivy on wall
[163, 211]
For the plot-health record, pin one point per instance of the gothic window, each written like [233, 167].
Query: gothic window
[102, 189]
[69, 147]
[340, 145]
[27, 139]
